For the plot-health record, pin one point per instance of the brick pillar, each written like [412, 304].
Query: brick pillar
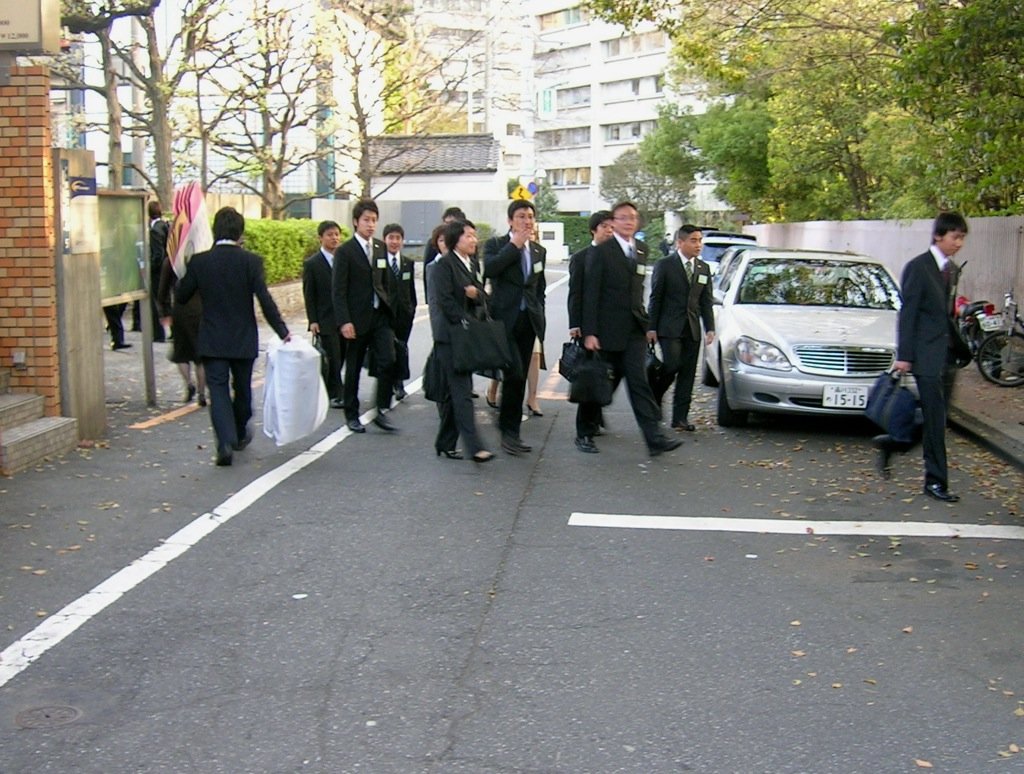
[28, 282]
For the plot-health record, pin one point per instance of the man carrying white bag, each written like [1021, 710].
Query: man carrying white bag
[294, 396]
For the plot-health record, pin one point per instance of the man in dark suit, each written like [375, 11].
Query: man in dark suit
[615, 321]
[925, 346]
[317, 293]
[515, 265]
[226, 278]
[403, 302]
[362, 308]
[588, 420]
[680, 302]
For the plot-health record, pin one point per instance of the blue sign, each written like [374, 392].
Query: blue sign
[82, 186]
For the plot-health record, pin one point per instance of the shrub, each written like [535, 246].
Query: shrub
[577, 234]
[283, 244]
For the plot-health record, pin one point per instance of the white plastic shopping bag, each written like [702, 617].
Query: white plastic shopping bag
[294, 395]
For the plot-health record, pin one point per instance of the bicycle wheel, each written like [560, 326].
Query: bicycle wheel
[1001, 359]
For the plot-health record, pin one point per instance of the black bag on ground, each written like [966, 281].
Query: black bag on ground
[572, 355]
[892, 407]
[480, 345]
[593, 383]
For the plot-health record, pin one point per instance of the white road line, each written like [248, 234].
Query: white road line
[802, 527]
[18, 655]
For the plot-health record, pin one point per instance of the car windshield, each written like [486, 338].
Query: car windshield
[814, 282]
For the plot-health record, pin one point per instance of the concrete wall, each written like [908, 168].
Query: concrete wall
[994, 250]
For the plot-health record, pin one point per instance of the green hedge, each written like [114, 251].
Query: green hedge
[283, 244]
[577, 233]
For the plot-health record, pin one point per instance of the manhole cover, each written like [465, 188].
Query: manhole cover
[47, 717]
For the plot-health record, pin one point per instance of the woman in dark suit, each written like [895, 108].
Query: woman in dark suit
[455, 290]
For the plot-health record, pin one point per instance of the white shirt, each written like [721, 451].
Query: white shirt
[627, 247]
[328, 256]
[939, 256]
[465, 261]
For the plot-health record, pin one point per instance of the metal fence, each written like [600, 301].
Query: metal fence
[994, 249]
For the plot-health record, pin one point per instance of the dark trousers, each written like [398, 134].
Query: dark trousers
[935, 393]
[114, 325]
[381, 340]
[455, 409]
[680, 366]
[229, 413]
[513, 387]
[629, 364]
[334, 346]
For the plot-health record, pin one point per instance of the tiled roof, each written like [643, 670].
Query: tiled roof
[434, 153]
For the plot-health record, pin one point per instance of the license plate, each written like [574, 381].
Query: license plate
[990, 323]
[845, 396]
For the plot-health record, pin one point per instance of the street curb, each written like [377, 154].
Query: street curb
[987, 435]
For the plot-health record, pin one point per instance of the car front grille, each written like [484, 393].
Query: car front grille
[846, 361]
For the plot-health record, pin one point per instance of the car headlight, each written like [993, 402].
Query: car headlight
[757, 353]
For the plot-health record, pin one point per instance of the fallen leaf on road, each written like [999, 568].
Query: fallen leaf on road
[907, 630]
[797, 653]
[922, 764]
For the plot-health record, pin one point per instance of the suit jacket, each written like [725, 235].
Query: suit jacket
[317, 292]
[924, 319]
[157, 251]
[677, 305]
[226, 278]
[403, 290]
[354, 282]
[577, 269]
[613, 296]
[448, 301]
[503, 265]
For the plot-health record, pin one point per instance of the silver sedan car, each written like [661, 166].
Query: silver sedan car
[800, 332]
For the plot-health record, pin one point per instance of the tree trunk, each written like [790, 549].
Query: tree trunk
[159, 98]
[115, 157]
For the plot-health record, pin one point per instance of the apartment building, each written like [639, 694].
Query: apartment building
[599, 87]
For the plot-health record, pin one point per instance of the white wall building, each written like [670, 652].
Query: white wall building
[598, 90]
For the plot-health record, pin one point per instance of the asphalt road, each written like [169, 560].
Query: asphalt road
[360, 605]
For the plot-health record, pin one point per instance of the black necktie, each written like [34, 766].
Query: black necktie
[947, 274]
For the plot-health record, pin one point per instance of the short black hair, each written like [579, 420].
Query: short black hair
[520, 204]
[364, 205]
[228, 223]
[454, 212]
[454, 230]
[948, 221]
[599, 217]
[325, 226]
[154, 209]
[394, 228]
[686, 229]
[619, 205]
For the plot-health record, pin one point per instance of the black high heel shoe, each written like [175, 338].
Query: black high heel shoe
[491, 403]
[452, 454]
[534, 412]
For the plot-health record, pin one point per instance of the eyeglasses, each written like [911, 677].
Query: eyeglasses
[627, 218]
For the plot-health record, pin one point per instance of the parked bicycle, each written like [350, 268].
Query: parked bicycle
[1001, 354]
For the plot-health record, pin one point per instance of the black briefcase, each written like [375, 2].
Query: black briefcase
[593, 382]
[892, 406]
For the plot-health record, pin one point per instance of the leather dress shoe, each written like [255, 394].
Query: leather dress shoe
[384, 424]
[681, 426]
[245, 440]
[940, 492]
[514, 445]
[355, 426]
[122, 345]
[223, 457]
[662, 445]
[586, 445]
[885, 451]
[337, 403]
[400, 393]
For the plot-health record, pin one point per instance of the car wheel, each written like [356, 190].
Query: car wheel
[707, 376]
[728, 417]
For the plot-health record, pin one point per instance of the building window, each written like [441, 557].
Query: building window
[513, 130]
[564, 18]
[635, 130]
[569, 176]
[575, 97]
[563, 138]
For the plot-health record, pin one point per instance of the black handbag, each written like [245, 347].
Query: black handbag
[655, 368]
[433, 380]
[593, 382]
[324, 362]
[572, 355]
[480, 345]
[892, 407]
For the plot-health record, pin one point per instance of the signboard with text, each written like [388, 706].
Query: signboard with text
[32, 28]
